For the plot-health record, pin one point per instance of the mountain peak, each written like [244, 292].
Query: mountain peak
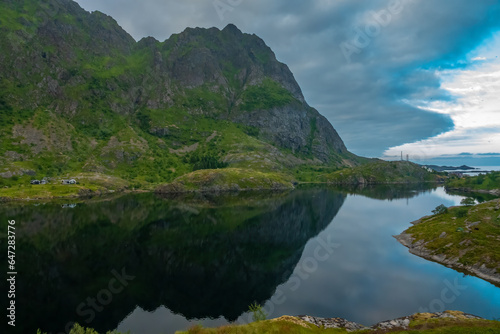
[232, 29]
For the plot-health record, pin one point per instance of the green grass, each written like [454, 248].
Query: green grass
[269, 94]
[481, 182]
[41, 191]
[228, 179]
[472, 245]
[87, 183]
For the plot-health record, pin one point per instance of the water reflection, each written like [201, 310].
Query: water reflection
[187, 259]
[198, 256]
[387, 192]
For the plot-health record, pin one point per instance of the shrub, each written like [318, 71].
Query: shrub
[469, 201]
[440, 209]
[208, 160]
[258, 314]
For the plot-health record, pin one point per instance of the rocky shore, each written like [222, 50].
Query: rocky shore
[418, 248]
[463, 238]
[402, 323]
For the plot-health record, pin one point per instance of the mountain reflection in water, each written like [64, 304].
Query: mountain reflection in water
[199, 256]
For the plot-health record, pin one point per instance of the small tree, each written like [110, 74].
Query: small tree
[440, 209]
[469, 201]
[258, 312]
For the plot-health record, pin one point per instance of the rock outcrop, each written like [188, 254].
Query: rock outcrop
[389, 325]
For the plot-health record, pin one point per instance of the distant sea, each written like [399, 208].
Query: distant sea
[489, 168]
[481, 168]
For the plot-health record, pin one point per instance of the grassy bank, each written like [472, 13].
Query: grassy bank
[88, 184]
[229, 179]
[465, 238]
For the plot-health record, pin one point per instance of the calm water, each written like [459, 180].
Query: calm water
[150, 265]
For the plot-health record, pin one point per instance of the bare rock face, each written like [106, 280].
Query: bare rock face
[230, 63]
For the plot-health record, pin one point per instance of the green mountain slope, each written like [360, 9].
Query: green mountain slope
[79, 95]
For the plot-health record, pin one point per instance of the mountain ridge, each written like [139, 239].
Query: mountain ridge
[79, 94]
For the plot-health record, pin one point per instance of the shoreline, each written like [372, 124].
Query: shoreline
[445, 322]
[401, 323]
[94, 194]
[495, 192]
[419, 249]
[181, 190]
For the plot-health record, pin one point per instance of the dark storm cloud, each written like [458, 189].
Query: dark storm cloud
[366, 98]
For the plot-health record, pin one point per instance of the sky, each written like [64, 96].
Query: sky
[417, 76]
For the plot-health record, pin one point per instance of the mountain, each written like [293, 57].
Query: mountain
[79, 95]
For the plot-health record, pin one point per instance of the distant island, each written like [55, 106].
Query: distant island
[448, 168]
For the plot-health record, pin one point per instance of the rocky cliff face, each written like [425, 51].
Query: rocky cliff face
[91, 77]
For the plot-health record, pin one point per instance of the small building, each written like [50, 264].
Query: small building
[430, 170]
[35, 182]
[71, 181]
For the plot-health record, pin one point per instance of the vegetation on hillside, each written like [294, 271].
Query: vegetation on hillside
[490, 181]
[229, 179]
[380, 172]
[269, 94]
[468, 235]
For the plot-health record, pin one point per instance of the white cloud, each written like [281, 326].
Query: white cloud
[475, 112]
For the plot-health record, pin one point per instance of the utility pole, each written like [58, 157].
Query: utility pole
[407, 157]
[401, 155]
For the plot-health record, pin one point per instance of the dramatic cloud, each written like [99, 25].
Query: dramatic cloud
[363, 64]
[475, 112]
